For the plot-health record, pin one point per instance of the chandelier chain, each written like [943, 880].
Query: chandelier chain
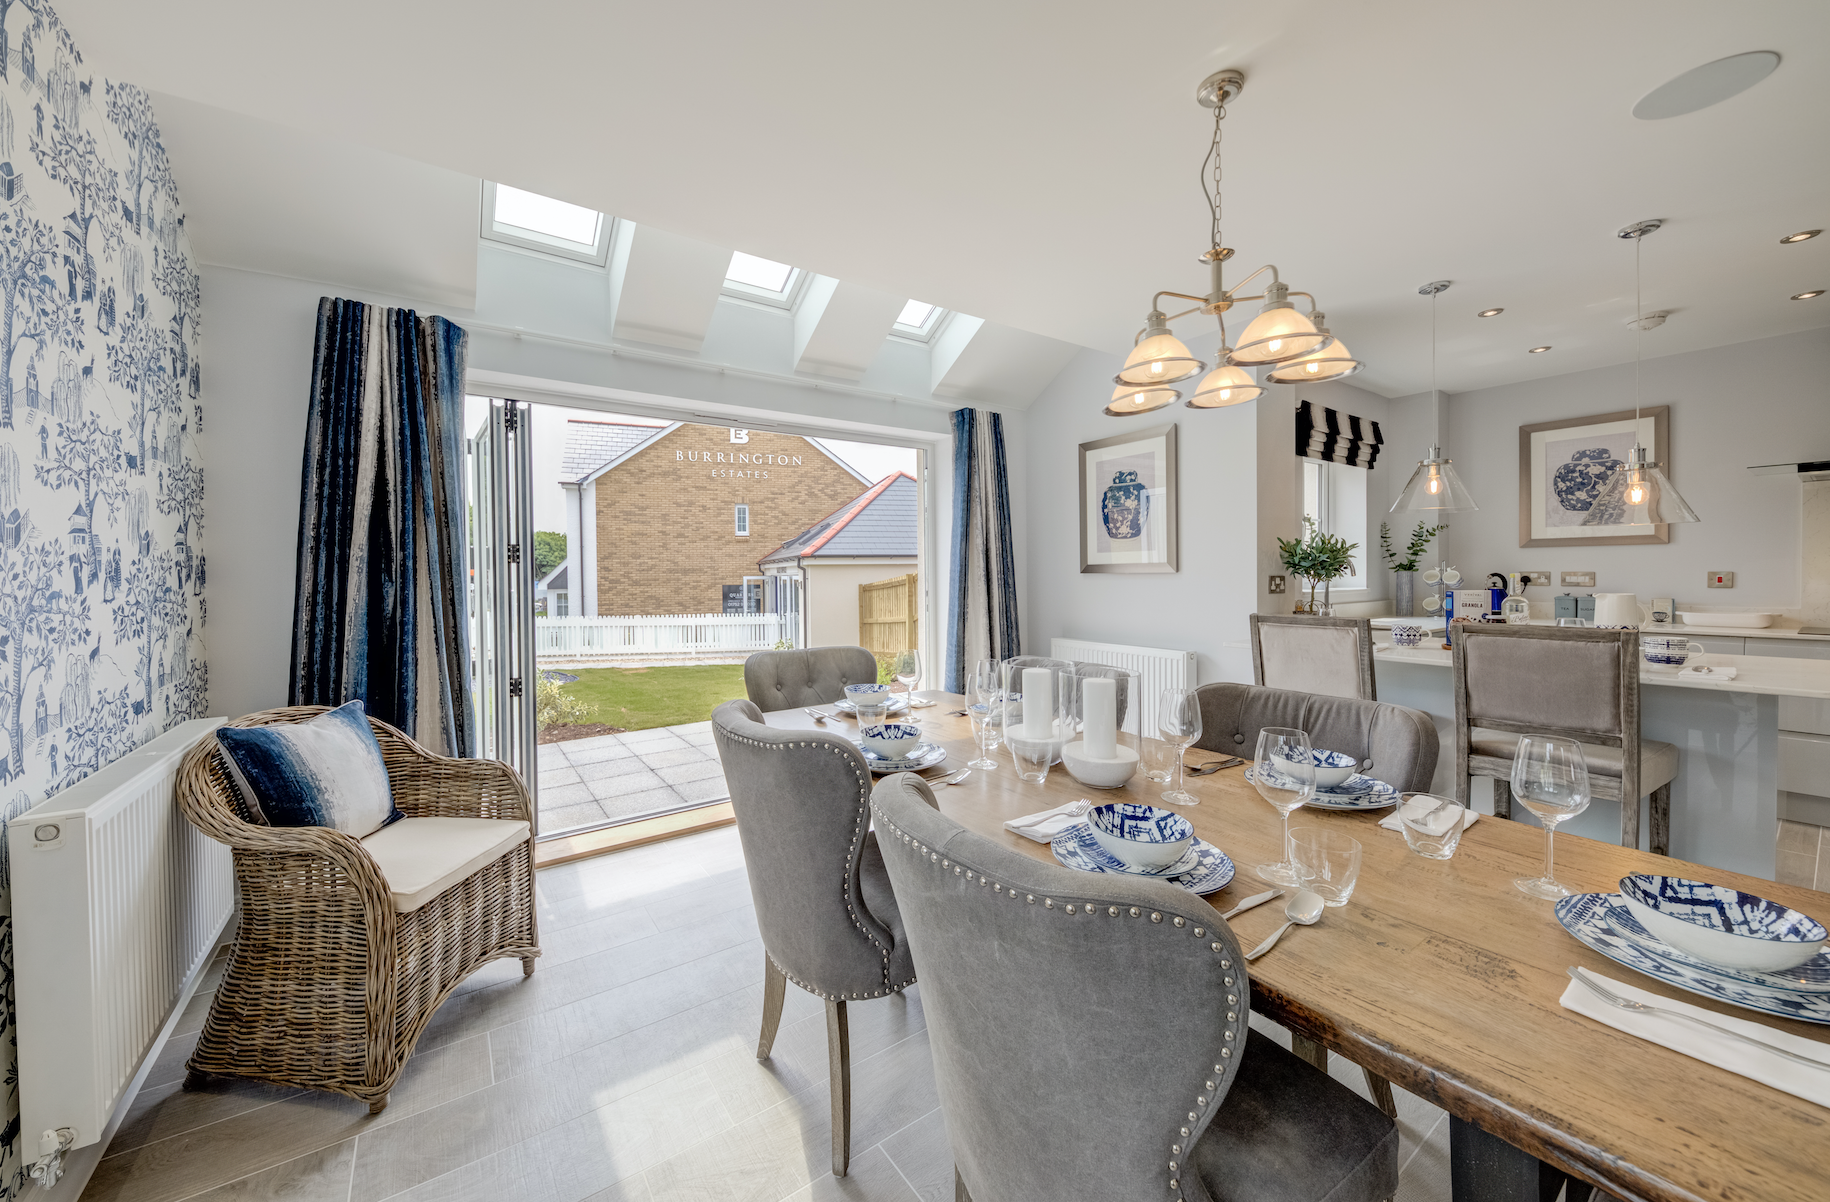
[1210, 176]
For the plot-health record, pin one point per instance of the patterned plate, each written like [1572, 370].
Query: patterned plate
[1585, 916]
[926, 756]
[1076, 848]
[1813, 976]
[898, 703]
[1357, 792]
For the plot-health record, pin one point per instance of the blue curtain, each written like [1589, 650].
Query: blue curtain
[381, 614]
[982, 611]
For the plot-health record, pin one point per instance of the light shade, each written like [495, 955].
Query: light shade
[1158, 359]
[1638, 493]
[1332, 362]
[1129, 402]
[1435, 487]
[1225, 386]
[1278, 335]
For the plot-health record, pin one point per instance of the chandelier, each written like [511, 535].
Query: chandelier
[1297, 347]
[1435, 485]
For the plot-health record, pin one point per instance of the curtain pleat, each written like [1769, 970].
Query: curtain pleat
[381, 614]
[982, 614]
[1337, 437]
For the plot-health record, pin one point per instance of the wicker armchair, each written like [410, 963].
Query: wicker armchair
[328, 986]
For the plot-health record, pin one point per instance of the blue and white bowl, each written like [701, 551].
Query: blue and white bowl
[891, 740]
[1332, 767]
[1722, 925]
[1141, 837]
[869, 694]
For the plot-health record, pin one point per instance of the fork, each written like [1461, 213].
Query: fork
[953, 778]
[1641, 1008]
[817, 715]
[1230, 761]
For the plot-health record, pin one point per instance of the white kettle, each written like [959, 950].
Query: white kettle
[1618, 609]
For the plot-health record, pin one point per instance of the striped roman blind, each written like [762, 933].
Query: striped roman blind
[1323, 433]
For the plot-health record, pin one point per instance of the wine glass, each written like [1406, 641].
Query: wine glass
[985, 705]
[1283, 771]
[1178, 716]
[1551, 778]
[907, 671]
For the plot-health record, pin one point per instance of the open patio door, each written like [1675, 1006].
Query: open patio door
[503, 675]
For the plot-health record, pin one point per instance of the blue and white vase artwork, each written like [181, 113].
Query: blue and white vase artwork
[1125, 507]
[1578, 482]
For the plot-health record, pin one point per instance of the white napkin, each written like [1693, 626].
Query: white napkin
[1044, 826]
[1709, 672]
[1810, 1084]
[1417, 806]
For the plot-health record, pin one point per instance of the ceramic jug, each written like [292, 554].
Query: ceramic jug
[1617, 609]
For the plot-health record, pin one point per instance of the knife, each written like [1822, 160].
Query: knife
[1257, 899]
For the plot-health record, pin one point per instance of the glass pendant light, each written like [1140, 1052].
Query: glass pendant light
[1637, 492]
[1128, 400]
[1225, 386]
[1434, 486]
[1158, 358]
[1331, 362]
[1278, 334]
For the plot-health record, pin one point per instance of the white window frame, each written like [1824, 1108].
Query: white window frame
[927, 331]
[1327, 499]
[741, 518]
[788, 298]
[545, 244]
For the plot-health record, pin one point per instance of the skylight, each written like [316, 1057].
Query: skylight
[765, 274]
[544, 223]
[914, 315]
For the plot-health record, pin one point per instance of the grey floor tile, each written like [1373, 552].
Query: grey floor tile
[593, 751]
[550, 755]
[516, 1172]
[599, 935]
[871, 1178]
[1425, 1176]
[565, 795]
[688, 729]
[1795, 868]
[1798, 836]
[923, 1155]
[621, 766]
[621, 1139]
[670, 757]
[321, 1176]
[610, 788]
[689, 770]
[650, 737]
[553, 778]
[162, 1111]
[762, 1159]
[722, 894]
[556, 818]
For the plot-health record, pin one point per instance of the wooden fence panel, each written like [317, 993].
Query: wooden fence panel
[888, 614]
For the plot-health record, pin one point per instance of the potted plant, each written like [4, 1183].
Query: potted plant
[1318, 558]
[1404, 605]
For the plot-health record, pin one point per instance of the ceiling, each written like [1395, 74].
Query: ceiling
[1035, 164]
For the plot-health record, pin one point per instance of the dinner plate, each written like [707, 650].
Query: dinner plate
[1586, 917]
[1076, 848]
[1813, 976]
[897, 704]
[926, 756]
[1357, 792]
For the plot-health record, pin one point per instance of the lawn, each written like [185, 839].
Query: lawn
[641, 698]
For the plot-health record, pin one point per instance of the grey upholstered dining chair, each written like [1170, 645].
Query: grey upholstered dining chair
[791, 680]
[1583, 683]
[1332, 657]
[1394, 743]
[802, 802]
[1090, 1036]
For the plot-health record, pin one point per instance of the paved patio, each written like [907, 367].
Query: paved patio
[588, 782]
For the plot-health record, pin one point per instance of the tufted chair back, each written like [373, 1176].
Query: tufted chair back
[787, 680]
[1084, 1028]
[1396, 744]
[802, 800]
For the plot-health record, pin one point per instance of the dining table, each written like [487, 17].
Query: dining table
[1443, 978]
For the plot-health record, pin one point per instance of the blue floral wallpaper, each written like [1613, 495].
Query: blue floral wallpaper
[101, 489]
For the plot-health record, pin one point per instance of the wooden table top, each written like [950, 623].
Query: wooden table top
[1444, 978]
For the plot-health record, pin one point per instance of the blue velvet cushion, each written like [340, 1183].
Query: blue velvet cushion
[326, 771]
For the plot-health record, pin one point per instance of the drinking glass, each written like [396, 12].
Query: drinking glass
[1551, 778]
[1432, 825]
[908, 674]
[985, 705]
[1283, 772]
[1178, 716]
[1032, 757]
[1329, 862]
[1159, 760]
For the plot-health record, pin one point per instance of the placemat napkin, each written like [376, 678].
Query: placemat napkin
[1391, 821]
[1044, 826]
[1810, 1084]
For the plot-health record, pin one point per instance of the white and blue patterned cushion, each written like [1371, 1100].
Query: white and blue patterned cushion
[326, 771]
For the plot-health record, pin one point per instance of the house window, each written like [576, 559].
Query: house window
[535, 222]
[560, 610]
[1334, 497]
[918, 321]
[743, 521]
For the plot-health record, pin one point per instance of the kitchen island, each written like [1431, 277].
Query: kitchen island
[1725, 800]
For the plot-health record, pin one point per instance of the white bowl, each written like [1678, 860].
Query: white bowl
[1147, 838]
[1740, 621]
[891, 740]
[1098, 774]
[1722, 925]
[1332, 767]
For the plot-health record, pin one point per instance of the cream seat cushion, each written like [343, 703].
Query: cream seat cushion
[422, 857]
[1658, 762]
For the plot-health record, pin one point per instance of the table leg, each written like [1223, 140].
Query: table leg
[1485, 1168]
[1309, 1050]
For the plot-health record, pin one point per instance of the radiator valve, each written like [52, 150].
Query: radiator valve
[52, 1145]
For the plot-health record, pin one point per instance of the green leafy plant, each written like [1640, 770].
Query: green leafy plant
[1317, 557]
[1420, 542]
[549, 551]
[552, 704]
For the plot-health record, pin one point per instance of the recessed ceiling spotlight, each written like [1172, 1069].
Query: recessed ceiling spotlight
[1711, 83]
[1537, 350]
[1815, 292]
[1490, 313]
[1800, 236]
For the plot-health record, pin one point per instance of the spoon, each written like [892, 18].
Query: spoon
[1304, 909]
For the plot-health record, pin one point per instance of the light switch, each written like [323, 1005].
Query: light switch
[1578, 580]
[1721, 580]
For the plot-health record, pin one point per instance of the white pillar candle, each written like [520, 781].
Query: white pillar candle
[1038, 704]
[1099, 703]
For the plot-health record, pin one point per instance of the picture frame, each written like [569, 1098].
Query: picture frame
[1129, 508]
[1562, 465]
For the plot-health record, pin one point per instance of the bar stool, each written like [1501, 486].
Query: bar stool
[1331, 657]
[1581, 683]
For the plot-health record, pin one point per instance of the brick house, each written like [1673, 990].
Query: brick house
[663, 519]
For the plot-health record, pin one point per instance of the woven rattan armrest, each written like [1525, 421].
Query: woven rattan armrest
[434, 786]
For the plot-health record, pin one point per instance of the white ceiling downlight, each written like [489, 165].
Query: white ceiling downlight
[1812, 295]
[1800, 236]
[1711, 83]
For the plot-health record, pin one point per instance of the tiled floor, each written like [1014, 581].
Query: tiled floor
[1804, 855]
[624, 1070]
[587, 782]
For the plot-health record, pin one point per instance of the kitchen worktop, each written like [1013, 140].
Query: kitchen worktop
[1767, 675]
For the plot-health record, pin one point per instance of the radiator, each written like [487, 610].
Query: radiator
[117, 905]
[1158, 669]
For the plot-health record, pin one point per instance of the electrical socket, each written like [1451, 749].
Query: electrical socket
[1528, 579]
[1578, 580]
[1721, 580]
[1277, 584]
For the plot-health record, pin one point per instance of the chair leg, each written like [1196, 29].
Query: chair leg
[775, 984]
[1308, 1049]
[381, 1104]
[527, 965]
[838, 1055]
[1502, 798]
[960, 1192]
[1629, 822]
[1661, 820]
[1381, 1091]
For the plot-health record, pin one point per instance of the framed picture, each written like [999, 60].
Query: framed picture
[1562, 466]
[1128, 502]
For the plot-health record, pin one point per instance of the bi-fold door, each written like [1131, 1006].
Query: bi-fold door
[503, 672]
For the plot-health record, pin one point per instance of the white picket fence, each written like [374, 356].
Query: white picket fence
[658, 635]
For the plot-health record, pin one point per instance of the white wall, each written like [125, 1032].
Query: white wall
[1731, 407]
